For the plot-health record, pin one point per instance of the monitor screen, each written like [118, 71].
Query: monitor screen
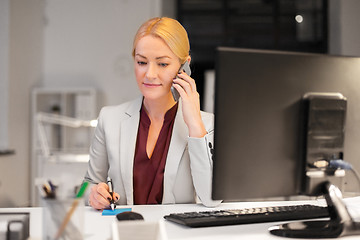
[258, 96]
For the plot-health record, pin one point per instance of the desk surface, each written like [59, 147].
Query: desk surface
[98, 227]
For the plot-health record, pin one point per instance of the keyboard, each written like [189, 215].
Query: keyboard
[248, 215]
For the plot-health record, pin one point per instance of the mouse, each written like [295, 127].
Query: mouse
[129, 216]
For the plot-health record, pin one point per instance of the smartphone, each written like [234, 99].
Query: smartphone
[186, 68]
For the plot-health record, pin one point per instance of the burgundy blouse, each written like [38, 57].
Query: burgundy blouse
[149, 172]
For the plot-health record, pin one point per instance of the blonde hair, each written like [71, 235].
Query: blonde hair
[170, 31]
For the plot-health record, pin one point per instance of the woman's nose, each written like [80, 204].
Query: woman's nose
[151, 71]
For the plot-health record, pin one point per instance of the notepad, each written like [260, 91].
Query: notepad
[110, 212]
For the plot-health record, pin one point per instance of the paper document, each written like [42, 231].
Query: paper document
[353, 206]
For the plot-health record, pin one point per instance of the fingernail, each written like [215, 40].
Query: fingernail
[117, 198]
[109, 199]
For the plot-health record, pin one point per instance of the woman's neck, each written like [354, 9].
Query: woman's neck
[156, 109]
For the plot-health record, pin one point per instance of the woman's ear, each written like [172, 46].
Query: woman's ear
[189, 59]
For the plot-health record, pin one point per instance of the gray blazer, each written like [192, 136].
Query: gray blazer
[188, 170]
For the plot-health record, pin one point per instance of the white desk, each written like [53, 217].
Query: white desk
[98, 227]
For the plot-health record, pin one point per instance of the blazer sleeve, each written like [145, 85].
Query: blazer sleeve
[98, 163]
[201, 162]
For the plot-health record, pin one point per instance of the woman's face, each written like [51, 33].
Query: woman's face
[155, 67]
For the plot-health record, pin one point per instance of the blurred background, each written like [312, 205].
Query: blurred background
[65, 57]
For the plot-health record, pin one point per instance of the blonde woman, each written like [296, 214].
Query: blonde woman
[156, 150]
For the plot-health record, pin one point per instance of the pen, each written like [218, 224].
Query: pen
[49, 190]
[109, 183]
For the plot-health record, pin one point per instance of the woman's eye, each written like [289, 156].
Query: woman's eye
[163, 64]
[141, 63]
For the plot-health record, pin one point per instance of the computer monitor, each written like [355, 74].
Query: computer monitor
[259, 96]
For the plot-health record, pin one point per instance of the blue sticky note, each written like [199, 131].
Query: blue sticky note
[110, 212]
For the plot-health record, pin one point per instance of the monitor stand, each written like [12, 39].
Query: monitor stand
[340, 223]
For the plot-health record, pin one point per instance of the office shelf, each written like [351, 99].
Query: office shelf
[63, 121]
[62, 157]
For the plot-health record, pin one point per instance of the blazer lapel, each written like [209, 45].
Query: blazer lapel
[175, 152]
[129, 129]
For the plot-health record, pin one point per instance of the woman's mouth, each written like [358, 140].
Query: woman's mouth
[151, 85]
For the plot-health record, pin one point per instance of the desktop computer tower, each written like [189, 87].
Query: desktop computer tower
[323, 140]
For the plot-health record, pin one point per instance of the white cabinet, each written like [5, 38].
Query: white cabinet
[63, 121]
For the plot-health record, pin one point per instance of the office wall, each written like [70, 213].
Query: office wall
[89, 43]
[24, 69]
[344, 38]
[344, 31]
[4, 76]
[350, 36]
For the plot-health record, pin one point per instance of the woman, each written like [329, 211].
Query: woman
[156, 150]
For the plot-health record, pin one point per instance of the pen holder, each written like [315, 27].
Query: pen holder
[63, 219]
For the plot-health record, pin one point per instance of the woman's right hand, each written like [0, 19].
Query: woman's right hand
[100, 197]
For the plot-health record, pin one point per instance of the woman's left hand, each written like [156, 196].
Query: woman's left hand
[190, 104]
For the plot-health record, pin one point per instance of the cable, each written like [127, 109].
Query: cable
[339, 163]
[356, 173]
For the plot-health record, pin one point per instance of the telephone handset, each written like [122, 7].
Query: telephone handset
[186, 68]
